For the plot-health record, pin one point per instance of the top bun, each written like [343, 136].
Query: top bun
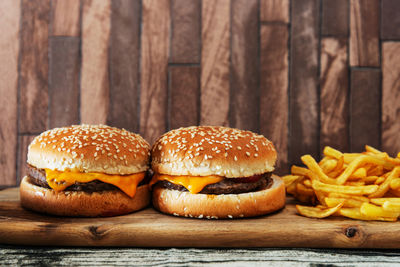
[90, 148]
[213, 150]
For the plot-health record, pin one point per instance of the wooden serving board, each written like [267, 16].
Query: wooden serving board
[148, 228]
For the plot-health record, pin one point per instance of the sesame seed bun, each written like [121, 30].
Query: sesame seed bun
[213, 150]
[229, 206]
[90, 148]
[82, 204]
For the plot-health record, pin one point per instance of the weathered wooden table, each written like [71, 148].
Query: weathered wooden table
[45, 256]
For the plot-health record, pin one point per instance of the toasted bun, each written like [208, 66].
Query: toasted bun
[90, 148]
[213, 150]
[200, 206]
[81, 204]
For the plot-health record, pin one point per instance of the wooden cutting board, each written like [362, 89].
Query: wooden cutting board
[148, 228]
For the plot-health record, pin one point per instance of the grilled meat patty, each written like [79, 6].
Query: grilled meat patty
[38, 177]
[226, 186]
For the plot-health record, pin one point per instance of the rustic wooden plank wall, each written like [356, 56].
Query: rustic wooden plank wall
[304, 73]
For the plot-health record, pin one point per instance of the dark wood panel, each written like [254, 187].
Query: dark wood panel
[364, 109]
[64, 81]
[24, 141]
[34, 66]
[94, 70]
[185, 31]
[215, 62]
[335, 17]
[303, 100]
[274, 89]
[124, 65]
[334, 94]
[274, 10]
[65, 17]
[244, 67]
[9, 47]
[184, 82]
[364, 33]
[390, 19]
[391, 97]
[154, 61]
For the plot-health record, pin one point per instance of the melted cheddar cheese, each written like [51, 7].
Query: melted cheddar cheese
[194, 184]
[59, 181]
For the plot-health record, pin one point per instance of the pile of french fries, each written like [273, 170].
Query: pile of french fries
[363, 186]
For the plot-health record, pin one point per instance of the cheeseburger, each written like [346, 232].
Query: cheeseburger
[215, 172]
[86, 170]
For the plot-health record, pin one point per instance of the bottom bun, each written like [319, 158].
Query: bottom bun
[200, 206]
[81, 204]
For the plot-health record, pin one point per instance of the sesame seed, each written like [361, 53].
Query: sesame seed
[248, 153]
[235, 158]
[255, 155]
[239, 147]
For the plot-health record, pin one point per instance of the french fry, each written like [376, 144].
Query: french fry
[351, 190]
[380, 201]
[339, 195]
[347, 202]
[289, 179]
[307, 182]
[359, 173]
[331, 152]
[354, 213]
[376, 211]
[328, 165]
[314, 167]
[384, 187]
[392, 206]
[370, 179]
[376, 171]
[315, 212]
[380, 180]
[395, 184]
[302, 189]
[371, 149]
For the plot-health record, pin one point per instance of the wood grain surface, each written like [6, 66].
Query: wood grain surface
[185, 31]
[24, 141]
[274, 10]
[303, 112]
[364, 109]
[34, 66]
[334, 94]
[244, 69]
[364, 33]
[148, 228]
[94, 104]
[64, 81]
[274, 89]
[124, 65]
[335, 18]
[65, 17]
[154, 60]
[274, 257]
[391, 97]
[390, 19]
[9, 47]
[215, 35]
[184, 87]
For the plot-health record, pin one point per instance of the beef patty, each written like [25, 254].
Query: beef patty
[226, 186]
[38, 177]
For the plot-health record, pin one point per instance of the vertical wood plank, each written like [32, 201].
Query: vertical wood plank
[154, 61]
[364, 33]
[391, 97]
[303, 117]
[215, 62]
[334, 99]
[64, 81]
[24, 141]
[65, 19]
[124, 65]
[34, 66]
[94, 70]
[335, 17]
[244, 65]
[364, 109]
[274, 10]
[184, 82]
[185, 35]
[9, 47]
[390, 19]
[274, 90]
